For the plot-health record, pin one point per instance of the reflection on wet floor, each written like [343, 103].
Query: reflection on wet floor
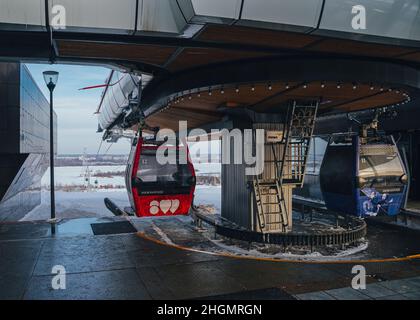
[75, 226]
[391, 241]
[81, 226]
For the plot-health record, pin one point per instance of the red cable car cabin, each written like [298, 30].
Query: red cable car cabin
[155, 189]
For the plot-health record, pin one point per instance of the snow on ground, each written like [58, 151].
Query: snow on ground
[70, 205]
[208, 195]
[75, 176]
[162, 234]
[221, 245]
[304, 256]
[207, 168]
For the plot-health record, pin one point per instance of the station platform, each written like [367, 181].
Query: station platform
[118, 262]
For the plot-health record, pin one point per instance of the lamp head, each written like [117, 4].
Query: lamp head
[50, 78]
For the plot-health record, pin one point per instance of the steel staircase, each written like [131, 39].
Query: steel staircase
[287, 156]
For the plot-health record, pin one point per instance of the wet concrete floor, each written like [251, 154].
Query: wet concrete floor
[126, 266]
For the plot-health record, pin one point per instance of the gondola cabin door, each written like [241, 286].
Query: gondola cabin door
[157, 189]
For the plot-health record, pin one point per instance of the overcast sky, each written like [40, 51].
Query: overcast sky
[77, 123]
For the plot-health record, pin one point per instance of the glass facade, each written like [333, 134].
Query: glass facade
[24, 132]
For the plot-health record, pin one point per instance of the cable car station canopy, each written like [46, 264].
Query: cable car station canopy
[245, 53]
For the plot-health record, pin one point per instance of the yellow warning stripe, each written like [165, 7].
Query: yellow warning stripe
[233, 256]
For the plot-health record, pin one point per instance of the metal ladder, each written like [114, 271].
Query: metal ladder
[301, 130]
[264, 194]
[272, 213]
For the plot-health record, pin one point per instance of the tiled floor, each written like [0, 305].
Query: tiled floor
[126, 266]
[404, 289]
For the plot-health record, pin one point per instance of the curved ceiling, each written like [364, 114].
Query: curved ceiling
[200, 107]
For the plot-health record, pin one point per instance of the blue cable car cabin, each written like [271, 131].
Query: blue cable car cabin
[363, 176]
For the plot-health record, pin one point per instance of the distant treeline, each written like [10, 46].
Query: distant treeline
[92, 160]
[206, 179]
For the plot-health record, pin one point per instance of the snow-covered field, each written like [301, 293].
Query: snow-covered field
[75, 176]
[207, 168]
[71, 205]
[77, 204]
[91, 204]
[72, 176]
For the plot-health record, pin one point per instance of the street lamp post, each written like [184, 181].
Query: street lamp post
[51, 78]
